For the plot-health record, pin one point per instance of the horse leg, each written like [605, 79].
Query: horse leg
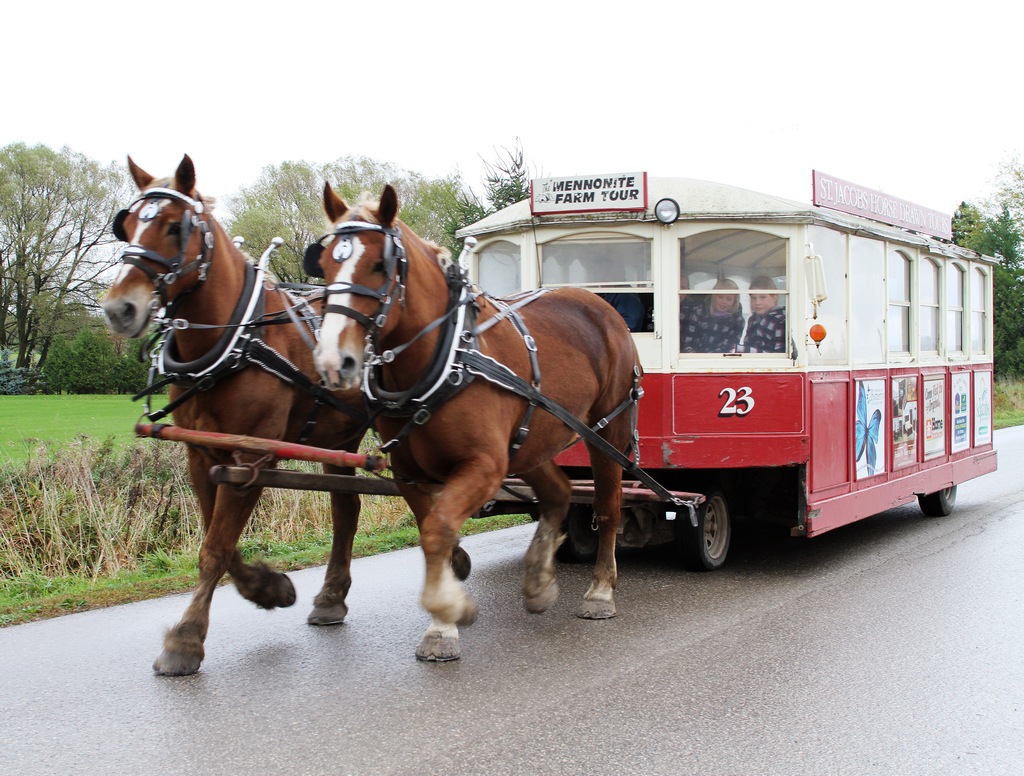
[439, 518]
[599, 600]
[553, 491]
[228, 511]
[329, 605]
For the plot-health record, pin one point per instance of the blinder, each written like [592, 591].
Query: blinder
[392, 254]
[118, 226]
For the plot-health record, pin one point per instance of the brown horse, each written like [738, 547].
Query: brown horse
[438, 359]
[229, 373]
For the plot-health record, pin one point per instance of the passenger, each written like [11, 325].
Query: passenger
[714, 326]
[629, 307]
[766, 327]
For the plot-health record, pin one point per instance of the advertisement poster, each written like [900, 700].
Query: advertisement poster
[869, 449]
[960, 384]
[933, 414]
[982, 408]
[904, 421]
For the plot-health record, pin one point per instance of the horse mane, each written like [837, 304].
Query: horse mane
[366, 210]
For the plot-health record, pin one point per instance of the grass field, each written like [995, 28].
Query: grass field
[27, 422]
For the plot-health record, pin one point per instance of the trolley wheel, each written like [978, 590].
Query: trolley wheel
[704, 548]
[580, 545]
[938, 504]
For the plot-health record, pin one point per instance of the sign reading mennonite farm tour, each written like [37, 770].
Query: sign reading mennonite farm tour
[588, 193]
[848, 197]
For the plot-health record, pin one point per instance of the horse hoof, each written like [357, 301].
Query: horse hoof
[597, 610]
[176, 664]
[271, 589]
[438, 649]
[543, 601]
[328, 615]
[461, 564]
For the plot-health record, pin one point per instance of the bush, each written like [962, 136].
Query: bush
[13, 380]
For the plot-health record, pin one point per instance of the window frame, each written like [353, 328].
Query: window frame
[958, 270]
[904, 305]
[935, 307]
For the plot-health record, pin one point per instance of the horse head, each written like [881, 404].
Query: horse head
[364, 261]
[170, 245]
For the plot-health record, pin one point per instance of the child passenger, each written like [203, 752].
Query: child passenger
[716, 325]
[766, 327]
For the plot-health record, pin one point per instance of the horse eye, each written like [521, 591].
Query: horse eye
[174, 228]
[378, 267]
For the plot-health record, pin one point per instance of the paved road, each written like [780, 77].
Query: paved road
[895, 646]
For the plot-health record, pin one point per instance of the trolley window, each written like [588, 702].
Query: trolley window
[979, 317]
[955, 288]
[734, 292]
[928, 315]
[899, 302]
[867, 314]
[498, 268]
[618, 267]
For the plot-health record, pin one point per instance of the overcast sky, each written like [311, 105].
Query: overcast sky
[901, 96]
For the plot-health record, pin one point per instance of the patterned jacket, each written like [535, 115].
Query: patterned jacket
[766, 333]
[702, 332]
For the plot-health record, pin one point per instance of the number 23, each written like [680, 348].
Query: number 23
[739, 401]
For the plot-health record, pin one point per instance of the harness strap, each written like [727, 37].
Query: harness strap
[309, 317]
[354, 314]
[508, 309]
[499, 374]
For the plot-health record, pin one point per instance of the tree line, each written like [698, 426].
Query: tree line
[57, 252]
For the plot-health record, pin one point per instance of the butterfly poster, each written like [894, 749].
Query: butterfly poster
[869, 444]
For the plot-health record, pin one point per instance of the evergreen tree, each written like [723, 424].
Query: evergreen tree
[12, 378]
[506, 182]
[58, 368]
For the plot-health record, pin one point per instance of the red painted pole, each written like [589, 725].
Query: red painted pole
[250, 444]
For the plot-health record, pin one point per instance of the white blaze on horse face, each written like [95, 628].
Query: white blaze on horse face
[335, 325]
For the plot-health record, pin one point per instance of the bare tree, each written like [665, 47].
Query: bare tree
[56, 208]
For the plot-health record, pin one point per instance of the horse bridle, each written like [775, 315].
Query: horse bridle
[396, 267]
[176, 266]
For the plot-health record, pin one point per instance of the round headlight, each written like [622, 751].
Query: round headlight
[666, 211]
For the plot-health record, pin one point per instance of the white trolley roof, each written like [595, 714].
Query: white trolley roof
[707, 201]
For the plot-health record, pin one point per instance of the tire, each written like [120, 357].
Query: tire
[938, 504]
[580, 545]
[705, 547]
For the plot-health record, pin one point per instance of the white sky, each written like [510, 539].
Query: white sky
[903, 96]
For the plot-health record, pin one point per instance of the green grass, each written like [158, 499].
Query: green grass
[1008, 404]
[28, 422]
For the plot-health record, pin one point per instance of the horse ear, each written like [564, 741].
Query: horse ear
[141, 177]
[185, 175]
[334, 206]
[388, 206]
